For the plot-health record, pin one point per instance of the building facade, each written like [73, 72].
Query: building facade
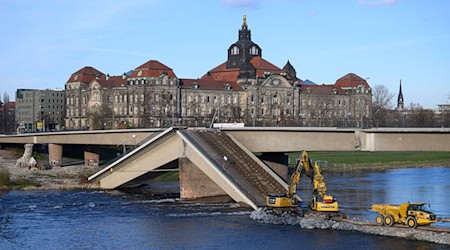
[39, 110]
[244, 89]
[7, 120]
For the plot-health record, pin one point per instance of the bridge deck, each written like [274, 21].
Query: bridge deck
[250, 175]
[223, 159]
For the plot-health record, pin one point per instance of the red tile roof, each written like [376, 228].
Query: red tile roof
[85, 75]
[321, 89]
[112, 82]
[351, 80]
[208, 84]
[221, 73]
[153, 68]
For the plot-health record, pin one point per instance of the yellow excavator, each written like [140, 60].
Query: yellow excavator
[321, 202]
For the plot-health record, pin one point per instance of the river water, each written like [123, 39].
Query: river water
[116, 220]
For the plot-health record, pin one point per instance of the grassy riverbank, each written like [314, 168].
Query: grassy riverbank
[375, 160]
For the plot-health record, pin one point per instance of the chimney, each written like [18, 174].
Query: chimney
[124, 75]
[107, 77]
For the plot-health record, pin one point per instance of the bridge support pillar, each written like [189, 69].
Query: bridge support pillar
[194, 183]
[280, 169]
[91, 158]
[55, 155]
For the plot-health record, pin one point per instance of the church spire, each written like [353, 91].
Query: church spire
[400, 102]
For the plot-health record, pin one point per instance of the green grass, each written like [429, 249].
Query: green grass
[376, 158]
[23, 182]
[169, 176]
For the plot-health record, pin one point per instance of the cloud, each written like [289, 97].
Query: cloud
[377, 3]
[244, 4]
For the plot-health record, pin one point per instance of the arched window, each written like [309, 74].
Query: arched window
[235, 50]
[254, 51]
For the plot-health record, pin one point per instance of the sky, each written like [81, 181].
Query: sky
[43, 42]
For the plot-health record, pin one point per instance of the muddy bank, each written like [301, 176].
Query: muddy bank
[351, 224]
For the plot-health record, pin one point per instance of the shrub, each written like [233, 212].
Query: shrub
[23, 182]
[5, 177]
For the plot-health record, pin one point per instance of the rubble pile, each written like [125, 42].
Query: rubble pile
[312, 221]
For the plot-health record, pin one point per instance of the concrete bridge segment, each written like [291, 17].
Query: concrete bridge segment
[223, 169]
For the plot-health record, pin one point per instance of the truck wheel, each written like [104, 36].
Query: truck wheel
[380, 220]
[411, 222]
[388, 221]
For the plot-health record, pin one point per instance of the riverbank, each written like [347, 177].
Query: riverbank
[68, 177]
[441, 236]
[374, 161]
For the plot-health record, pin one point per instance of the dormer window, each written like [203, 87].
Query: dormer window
[76, 77]
[139, 73]
[235, 50]
[254, 51]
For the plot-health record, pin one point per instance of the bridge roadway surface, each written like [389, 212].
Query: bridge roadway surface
[270, 139]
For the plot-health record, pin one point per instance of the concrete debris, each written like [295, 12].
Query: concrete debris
[312, 221]
[27, 160]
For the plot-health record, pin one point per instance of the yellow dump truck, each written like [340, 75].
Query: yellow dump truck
[412, 214]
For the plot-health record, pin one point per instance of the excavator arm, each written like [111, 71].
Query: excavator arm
[320, 202]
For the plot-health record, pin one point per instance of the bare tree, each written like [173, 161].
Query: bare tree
[99, 117]
[381, 103]
[420, 117]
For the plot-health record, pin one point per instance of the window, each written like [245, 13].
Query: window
[254, 51]
[235, 50]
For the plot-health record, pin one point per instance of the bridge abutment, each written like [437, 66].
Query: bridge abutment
[194, 183]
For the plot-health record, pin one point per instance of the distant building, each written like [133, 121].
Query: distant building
[39, 110]
[7, 111]
[245, 88]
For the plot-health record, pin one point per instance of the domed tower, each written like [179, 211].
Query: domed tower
[241, 52]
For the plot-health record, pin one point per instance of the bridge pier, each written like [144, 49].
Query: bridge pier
[194, 183]
[280, 169]
[55, 155]
[91, 158]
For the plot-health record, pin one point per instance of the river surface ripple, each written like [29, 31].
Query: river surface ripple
[83, 219]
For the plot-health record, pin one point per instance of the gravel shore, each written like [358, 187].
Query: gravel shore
[68, 177]
[353, 224]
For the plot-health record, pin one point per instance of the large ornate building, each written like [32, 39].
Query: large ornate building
[245, 89]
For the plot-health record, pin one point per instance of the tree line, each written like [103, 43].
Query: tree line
[414, 115]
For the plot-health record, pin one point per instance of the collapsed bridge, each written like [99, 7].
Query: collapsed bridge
[211, 163]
